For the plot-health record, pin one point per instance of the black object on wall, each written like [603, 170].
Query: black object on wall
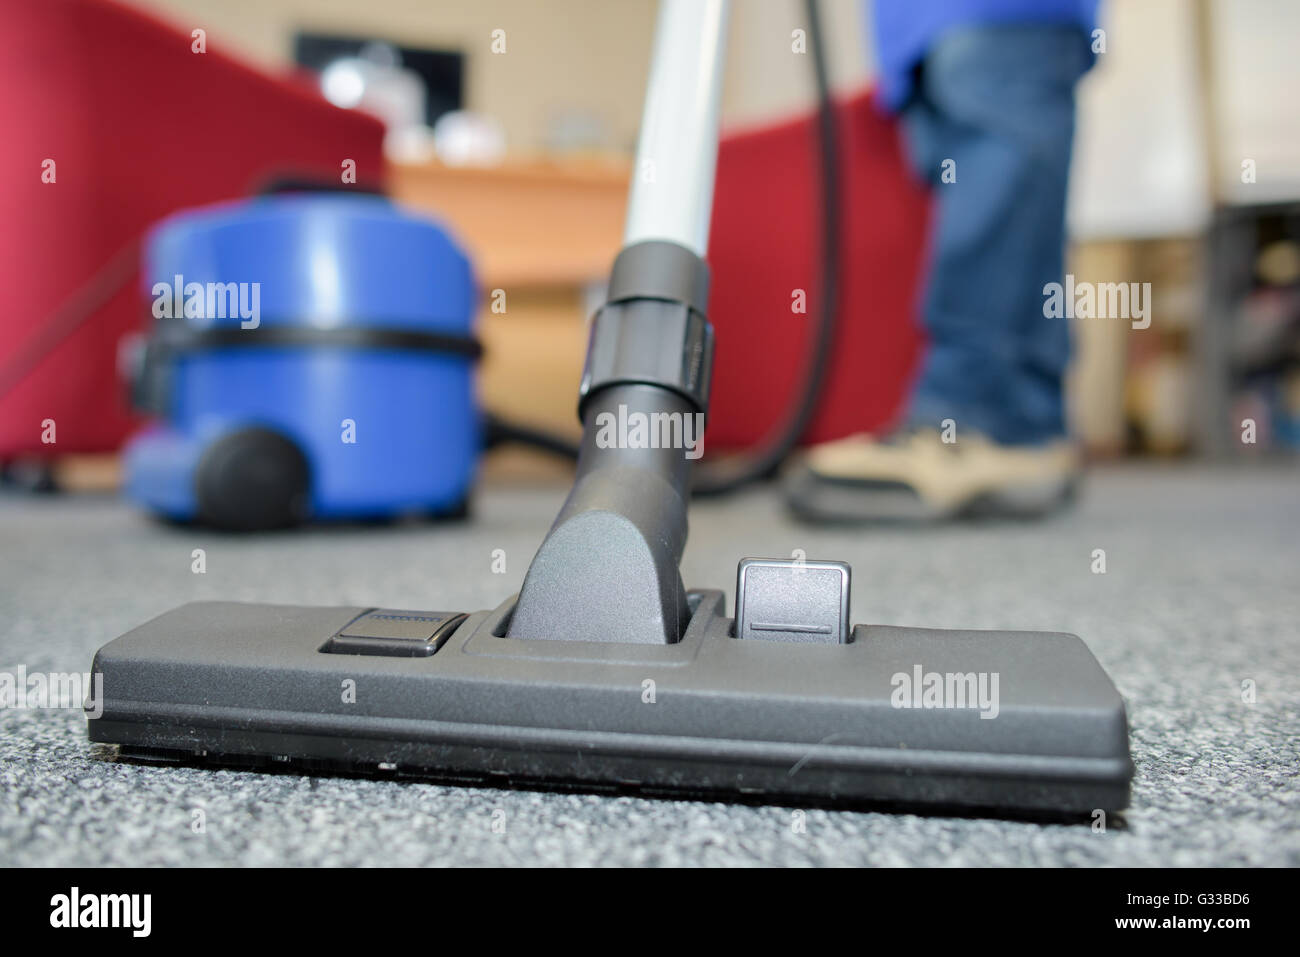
[443, 71]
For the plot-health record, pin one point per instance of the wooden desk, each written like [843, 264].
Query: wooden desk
[544, 234]
[526, 224]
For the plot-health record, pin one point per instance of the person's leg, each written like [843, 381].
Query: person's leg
[998, 102]
[995, 109]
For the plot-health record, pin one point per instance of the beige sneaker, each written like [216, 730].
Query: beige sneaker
[915, 475]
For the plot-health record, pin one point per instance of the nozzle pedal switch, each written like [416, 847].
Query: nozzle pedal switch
[796, 600]
[395, 633]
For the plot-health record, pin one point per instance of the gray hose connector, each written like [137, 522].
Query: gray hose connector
[657, 269]
[653, 331]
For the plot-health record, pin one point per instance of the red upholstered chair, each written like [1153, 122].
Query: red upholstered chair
[764, 245]
[138, 126]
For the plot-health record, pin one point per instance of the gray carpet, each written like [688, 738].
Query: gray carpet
[1202, 591]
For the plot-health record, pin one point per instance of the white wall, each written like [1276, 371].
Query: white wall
[577, 55]
[1140, 163]
[581, 55]
[766, 80]
[1152, 155]
[1255, 50]
[1143, 163]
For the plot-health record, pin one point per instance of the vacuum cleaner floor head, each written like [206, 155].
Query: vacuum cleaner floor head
[1002, 721]
[605, 673]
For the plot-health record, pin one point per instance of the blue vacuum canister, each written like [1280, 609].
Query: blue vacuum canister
[312, 357]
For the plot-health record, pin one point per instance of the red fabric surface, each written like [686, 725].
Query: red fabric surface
[765, 244]
[139, 126]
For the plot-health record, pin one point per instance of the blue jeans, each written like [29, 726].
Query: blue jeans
[998, 102]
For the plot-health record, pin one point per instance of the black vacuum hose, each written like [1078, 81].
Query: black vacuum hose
[714, 479]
